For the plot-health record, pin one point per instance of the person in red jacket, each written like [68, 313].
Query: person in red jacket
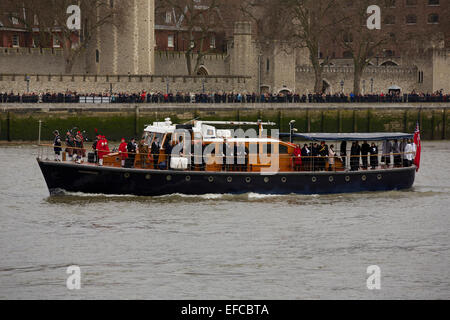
[123, 151]
[297, 158]
[103, 149]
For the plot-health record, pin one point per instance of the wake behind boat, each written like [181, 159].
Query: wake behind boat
[199, 158]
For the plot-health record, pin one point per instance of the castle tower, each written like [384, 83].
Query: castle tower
[128, 48]
[244, 60]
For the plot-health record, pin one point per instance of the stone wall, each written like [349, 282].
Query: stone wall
[124, 83]
[441, 71]
[20, 122]
[383, 78]
[35, 61]
[174, 63]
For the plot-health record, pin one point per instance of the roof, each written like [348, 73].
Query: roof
[374, 136]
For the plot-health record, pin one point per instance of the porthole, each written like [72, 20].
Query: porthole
[313, 179]
[126, 175]
[169, 177]
[210, 179]
[147, 176]
[379, 177]
[283, 179]
[331, 178]
[347, 178]
[266, 179]
[188, 178]
[229, 179]
[248, 179]
[363, 178]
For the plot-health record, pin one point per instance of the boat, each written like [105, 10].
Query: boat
[198, 158]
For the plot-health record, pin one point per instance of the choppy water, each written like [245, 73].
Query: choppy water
[224, 246]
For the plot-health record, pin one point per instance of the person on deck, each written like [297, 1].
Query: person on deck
[57, 145]
[123, 151]
[344, 153]
[397, 155]
[79, 146]
[386, 156]
[323, 153]
[355, 153]
[306, 157]
[155, 153]
[70, 143]
[331, 156]
[365, 149]
[402, 152]
[315, 158]
[103, 149]
[373, 156]
[410, 150]
[132, 148]
[297, 159]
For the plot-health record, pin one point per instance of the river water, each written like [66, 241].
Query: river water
[223, 246]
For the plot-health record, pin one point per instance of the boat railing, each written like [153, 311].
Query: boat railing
[220, 162]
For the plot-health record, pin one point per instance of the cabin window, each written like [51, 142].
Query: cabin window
[283, 149]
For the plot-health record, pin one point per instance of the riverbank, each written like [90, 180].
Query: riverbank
[20, 122]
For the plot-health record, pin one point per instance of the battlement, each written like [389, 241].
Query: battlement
[31, 51]
[369, 69]
[84, 83]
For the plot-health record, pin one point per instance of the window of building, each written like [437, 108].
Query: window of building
[389, 53]
[433, 18]
[14, 20]
[170, 41]
[111, 3]
[36, 20]
[411, 19]
[97, 56]
[390, 19]
[15, 41]
[56, 43]
[168, 17]
[433, 2]
[192, 43]
[348, 37]
[420, 80]
[389, 3]
[212, 43]
[267, 65]
[411, 3]
[347, 55]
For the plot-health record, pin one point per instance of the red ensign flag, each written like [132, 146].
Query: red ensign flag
[418, 146]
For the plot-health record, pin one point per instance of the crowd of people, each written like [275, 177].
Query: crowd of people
[321, 157]
[311, 157]
[221, 97]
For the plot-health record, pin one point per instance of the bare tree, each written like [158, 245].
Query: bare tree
[197, 21]
[354, 36]
[47, 19]
[301, 23]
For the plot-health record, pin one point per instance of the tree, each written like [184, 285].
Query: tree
[197, 21]
[301, 23]
[47, 21]
[354, 36]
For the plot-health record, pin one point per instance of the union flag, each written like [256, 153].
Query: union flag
[418, 146]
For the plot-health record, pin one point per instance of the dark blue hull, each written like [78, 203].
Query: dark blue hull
[108, 180]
